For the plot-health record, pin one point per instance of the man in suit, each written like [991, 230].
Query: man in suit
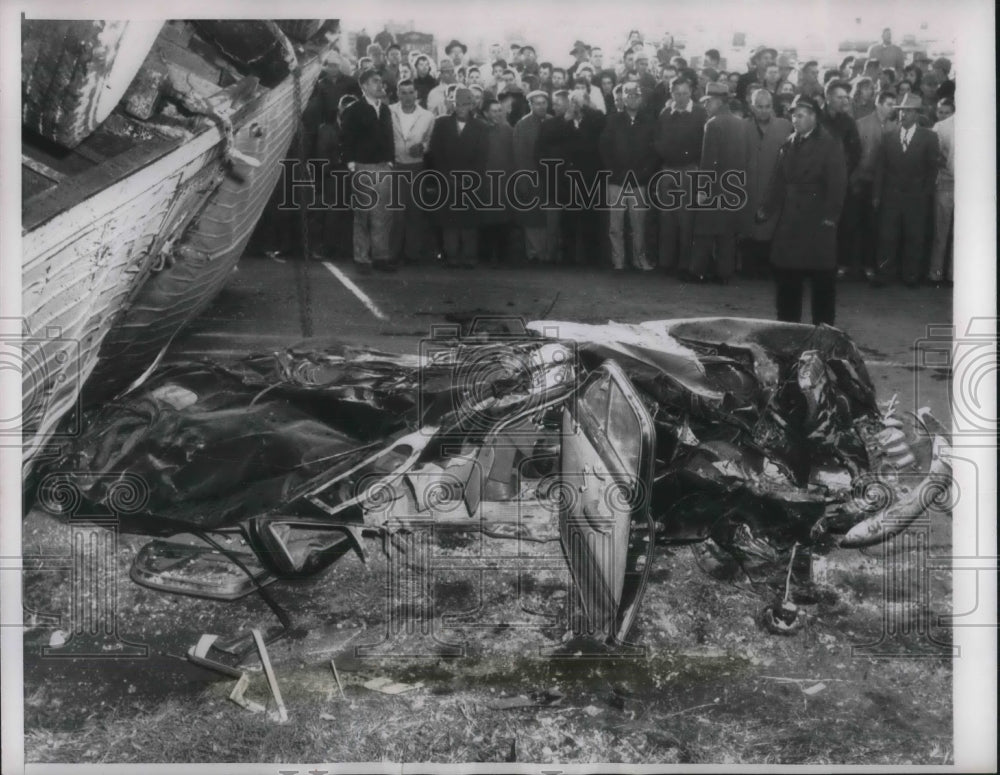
[367, 149]
[765, 134]
[496, 222]
[905, 173]
[459, 144]
[806, 194]
[680, 129]
[717, 212]
[872, 130]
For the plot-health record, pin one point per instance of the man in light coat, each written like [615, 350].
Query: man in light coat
[765, 134]
[411, 129]
[872, 130]
[718, 213]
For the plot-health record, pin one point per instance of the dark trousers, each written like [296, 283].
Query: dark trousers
[676, 227]
[719, 249]
[411, 238]
[579, 235]
[857, 231]
[494, 243]
[755, 257]
[902, 223]
[461, 245]
[788, 294]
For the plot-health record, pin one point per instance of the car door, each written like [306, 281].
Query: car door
[605, 526]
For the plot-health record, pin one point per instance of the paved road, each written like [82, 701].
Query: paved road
[271, 304]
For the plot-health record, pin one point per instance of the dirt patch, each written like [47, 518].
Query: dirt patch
[496, 678]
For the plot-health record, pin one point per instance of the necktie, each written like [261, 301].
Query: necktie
[906, 142]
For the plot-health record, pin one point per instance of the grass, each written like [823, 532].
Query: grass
[706, 691]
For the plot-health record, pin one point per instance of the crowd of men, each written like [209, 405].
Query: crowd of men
[848, 173]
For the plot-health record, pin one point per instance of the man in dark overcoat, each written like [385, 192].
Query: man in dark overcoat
[573, 141]
[459, 144]
[807, 194]
[527, 192]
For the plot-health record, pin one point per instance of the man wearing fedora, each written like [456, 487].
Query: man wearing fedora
[905, 174]
[806, 194]
[717, 222]
[580, 52]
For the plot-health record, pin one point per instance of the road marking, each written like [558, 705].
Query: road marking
[238, 335]
[350, 285]
[200, 353]
[903, 365]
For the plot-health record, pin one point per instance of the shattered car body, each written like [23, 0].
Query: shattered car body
[757, 438]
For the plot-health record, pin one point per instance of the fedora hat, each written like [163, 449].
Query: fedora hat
[910, 101]
[579, 46]
[719, 90]
[456, 44]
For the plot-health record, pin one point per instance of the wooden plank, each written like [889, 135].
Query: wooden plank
[272, 679]
[42, 169]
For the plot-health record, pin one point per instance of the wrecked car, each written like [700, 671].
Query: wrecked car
[761, 440]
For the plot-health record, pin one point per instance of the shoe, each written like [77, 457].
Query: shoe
[841, 272]
[386, 266]
[876, 282]
[364, 268]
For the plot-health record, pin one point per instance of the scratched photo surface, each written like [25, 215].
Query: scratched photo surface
[499, 386]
